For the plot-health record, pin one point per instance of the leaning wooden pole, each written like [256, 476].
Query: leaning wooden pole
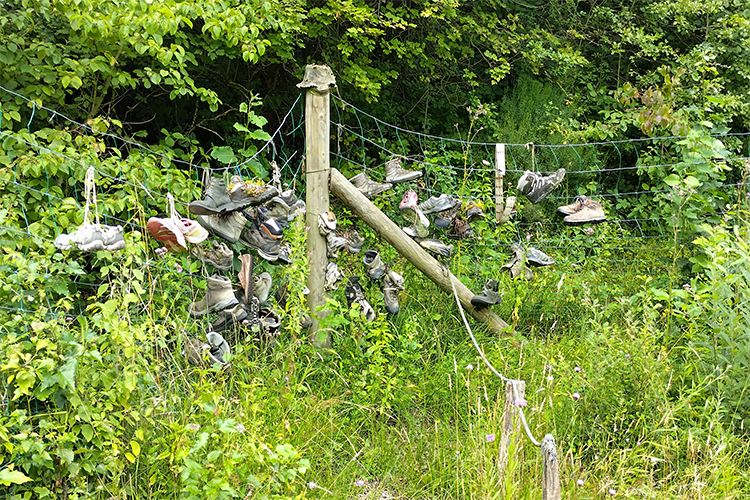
[318, 82]
[410, 249]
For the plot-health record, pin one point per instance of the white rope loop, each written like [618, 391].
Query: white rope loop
[90, 190]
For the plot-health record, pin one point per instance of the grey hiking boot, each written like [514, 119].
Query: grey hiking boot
[333, 276]
[288, 197]
[390, 294]
[279, 210]
[326, 223]
[489, 295]
[245, 193]
[217, 255]
[267, 248]
[355, 293]
[374, 264]
[215, 200]
[219, 296]
[583, 210]
[444, 219]
[218, 348]
[435, 246]
[369, 187]
[538, 258]
[394, 172]
[334, 244]
[437, 204]
[474, 211]
[228, 318]
[228, 226]
[536, 187]
[262, 287]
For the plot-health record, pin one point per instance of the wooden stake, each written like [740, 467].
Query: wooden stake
[410, 249]
[550, 470]
[499, 175]
[318, 81]
[515, 390]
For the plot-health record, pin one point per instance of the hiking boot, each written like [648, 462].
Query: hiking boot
[91, 238]
[218, 255]
[374, 264]
[355, 293]
[538, 258]
[270, 320]
[166, 230]
[516, 267]
[218, 348]
[445, 219]
[228, 318]
[474, 211]
[219, 296]
[228, 227]
[333, 276]
[396, 279]
[437, 204]
[288, 197]
[367, 186]
[267, 249]
[262, 287]
[216, 199]
[193, 350]
[326, 223]
[536, 187]
[246, 276]
[489, 295]
[297, 209]
[279, 210]
[334, 243]
[409, 201]
[390, 295]
[284, 257]
[245, 193]
[436, 246]
[461, 230]
[589, 211]
[354, 241]
[394, 173]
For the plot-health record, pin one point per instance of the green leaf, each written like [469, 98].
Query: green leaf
[136, 447]
[224, 154]
[692, 181]
[8, 477]
[672, 180]
[87, 431]
[68, 372]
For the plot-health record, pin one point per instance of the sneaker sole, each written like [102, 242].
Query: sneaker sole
[583, 221]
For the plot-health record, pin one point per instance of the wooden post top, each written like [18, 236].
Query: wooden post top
[317, 79]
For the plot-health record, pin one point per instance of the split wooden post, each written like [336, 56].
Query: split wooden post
[550, 470]
[410, 249]
[515, 390]
[499, 175]
[318, 82]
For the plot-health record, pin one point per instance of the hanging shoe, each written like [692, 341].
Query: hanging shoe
[288, 197]
[474, 211]
[390, 295]
[536, 187]
[517, 265]
[437, 204]
[369, 187]
[219, 296]
[333, 276]
[461, 230]
[218, 348]
[193, 349]
[538, 258]
[409, 202]
[326, 223]
[228, 318]
[354, 241]
[583, 210]
[394, 173]
[334, 244]
[374, 264]
[436, 246]
[228, 227]
[444, 219]
[355, 293]
[279, 210]
[267, 248]
[217, 254]
[92, 238]
[262, 287]
[245, 193]
[215, 200]
[489, 295]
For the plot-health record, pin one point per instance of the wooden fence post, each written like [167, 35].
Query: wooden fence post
[550, 470]
[515, 390]
[318, 82]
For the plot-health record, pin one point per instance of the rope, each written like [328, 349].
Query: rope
[90, 190]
